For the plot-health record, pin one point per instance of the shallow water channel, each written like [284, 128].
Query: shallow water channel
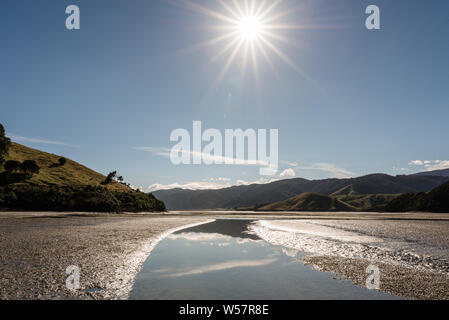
[220, 260]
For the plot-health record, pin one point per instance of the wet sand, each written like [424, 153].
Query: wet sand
[36, 249]
[412, 255]
[412, 250]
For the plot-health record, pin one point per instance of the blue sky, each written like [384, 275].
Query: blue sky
[371, 101]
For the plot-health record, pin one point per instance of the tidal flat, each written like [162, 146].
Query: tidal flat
[411, 250]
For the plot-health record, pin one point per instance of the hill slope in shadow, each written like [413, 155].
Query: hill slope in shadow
[308, 202]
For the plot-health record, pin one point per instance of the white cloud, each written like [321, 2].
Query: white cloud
[259, 181]
[243, 183]
[194, 185]
[199, 236]
[288, 173]
[431, 165]
[208, 185]
[18, 138]
[440, 165]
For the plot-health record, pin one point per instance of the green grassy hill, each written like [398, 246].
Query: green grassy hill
[71, 174]
[308, 202]
[66, 187]
[367, 202]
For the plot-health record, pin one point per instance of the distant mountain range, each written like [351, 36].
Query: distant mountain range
[442, 173]
[308, 201]
[259, 194]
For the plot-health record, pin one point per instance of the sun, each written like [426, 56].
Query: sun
[250, 28]
[250, 33]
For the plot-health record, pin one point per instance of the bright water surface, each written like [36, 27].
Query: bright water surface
[220, 260]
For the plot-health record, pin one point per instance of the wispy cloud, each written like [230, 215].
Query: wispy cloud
[218, 179]
[334, 170]
[431, 165]
[290, 163]
[165, 152]
[19, 138]
[222, 266]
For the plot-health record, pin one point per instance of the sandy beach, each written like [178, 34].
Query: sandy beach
[412, 255]
[36, 249]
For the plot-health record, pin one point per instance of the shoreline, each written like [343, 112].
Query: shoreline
[414, 270]
[36, 249]
[412, 250]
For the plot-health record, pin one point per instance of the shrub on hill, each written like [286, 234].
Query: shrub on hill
[30, 167]
[5, 143]
[12, 166]
[86, 199]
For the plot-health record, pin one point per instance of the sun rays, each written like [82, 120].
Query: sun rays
[249, 34]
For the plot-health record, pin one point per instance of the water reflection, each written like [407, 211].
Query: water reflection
[221, 260]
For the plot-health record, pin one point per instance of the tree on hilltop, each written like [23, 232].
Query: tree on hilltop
[5, 143]
[12, 166]
[30, 167]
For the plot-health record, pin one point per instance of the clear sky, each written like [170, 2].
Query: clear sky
[349, 101]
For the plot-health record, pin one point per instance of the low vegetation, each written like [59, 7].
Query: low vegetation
[5, 144]
[87, 198]
[436, 200]
[308, 202]
[368, 202]
[31, 179]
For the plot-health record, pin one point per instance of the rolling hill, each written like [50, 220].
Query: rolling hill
[253, 195]
[67, 186]
[367, 202]
[436, 200]
[52, 174]
[308, 202]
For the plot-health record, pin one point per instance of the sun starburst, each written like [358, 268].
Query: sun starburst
[250, 33]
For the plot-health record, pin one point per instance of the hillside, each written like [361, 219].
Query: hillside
[52, 174]
[308, 202]
[435, 201]
[66, 186]
[442, 173]
[253, 195]
[367, 202]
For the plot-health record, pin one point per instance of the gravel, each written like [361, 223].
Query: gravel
[412, 255]
[36, 249]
